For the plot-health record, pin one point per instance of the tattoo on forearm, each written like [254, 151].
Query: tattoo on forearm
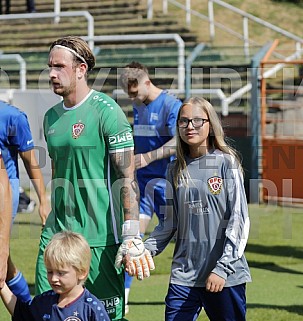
[124, 166]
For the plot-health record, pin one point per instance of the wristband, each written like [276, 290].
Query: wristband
[130, 228]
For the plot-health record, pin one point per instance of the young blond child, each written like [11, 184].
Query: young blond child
[67, 260]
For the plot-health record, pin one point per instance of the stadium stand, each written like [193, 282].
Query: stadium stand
[32, 37]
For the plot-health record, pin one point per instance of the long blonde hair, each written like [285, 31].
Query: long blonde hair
[216, 139]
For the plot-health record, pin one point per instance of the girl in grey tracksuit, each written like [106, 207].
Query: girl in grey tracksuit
[207, 213]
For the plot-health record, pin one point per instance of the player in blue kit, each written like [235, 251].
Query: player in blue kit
[16, 140]
[67, 259]
[207, 214]
[155, 113]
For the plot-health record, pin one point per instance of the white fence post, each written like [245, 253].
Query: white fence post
[150, 9]
[188, 13]
[165, 6]
[22, 71]
[211, 20]
[246, 36]
[57, 9]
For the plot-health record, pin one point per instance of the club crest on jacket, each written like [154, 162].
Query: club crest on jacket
[215, 184]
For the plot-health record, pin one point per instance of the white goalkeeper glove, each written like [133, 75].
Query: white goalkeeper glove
[139, 260]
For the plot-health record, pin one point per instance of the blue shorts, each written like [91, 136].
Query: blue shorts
[185, 303]
[152, 197]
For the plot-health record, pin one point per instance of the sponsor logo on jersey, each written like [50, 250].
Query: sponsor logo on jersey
[77, 130]
[120, 138]
[154, 116]
[145, 130]
[110, 304]
[198, 208]
[215, 184]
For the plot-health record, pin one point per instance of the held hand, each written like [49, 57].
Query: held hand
[141, 266]
[214, 283]
[137, 260]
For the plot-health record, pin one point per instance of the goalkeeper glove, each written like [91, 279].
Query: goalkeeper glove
[139, 260]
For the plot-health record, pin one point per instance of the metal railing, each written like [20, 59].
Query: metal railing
[215, 92]
[152, 37]
[86, 14]
[243, 36]
[22, 63]
[245, 89]
[246, 17]
[57, 10]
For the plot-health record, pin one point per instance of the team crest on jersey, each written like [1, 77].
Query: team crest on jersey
[77, 130]
[215, 184]
[72, 319]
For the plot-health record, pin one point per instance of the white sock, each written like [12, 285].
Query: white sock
[127, 290]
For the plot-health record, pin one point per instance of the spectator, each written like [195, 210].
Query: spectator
[30, 4]
[7, 4]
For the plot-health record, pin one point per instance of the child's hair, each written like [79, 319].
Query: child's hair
[216, 139]
[68, 248]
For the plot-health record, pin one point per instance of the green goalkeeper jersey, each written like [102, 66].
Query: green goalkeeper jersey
[85, 189]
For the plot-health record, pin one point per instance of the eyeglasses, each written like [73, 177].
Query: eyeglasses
[196, 122]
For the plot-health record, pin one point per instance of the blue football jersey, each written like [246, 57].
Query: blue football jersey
[155, 125]
[15, 137]
[44, 308]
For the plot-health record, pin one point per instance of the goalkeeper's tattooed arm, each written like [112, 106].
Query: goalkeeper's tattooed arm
[124, 163]
[132, 252]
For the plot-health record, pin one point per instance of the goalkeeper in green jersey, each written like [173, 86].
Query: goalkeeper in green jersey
[94, 191]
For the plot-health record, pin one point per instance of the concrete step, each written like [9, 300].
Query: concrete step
[19, 6]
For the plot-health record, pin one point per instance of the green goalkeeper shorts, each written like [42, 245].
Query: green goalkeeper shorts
[104, 280]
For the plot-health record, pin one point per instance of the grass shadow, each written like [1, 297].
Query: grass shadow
[271, 266]
[296, 309]
[278, 250]
[146, 303]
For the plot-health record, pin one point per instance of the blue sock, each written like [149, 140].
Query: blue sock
[128, 281]
[19, 287]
